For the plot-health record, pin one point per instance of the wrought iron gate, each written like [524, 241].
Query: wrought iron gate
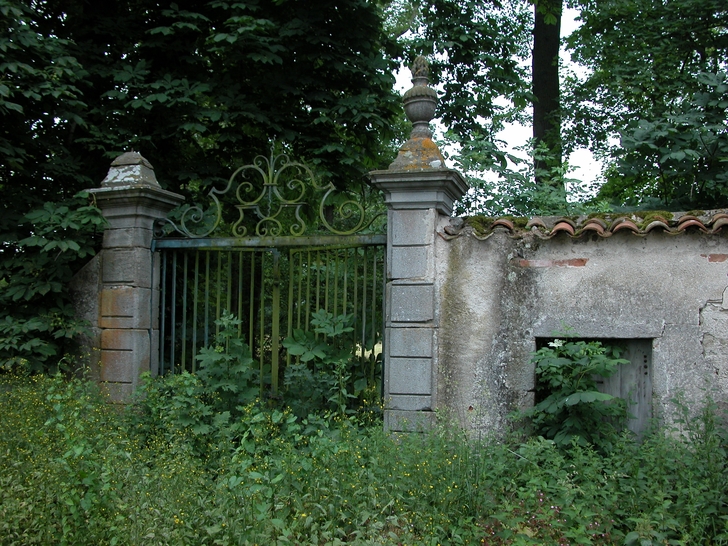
[274, 278]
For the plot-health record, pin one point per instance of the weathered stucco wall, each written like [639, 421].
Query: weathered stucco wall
[494, 297]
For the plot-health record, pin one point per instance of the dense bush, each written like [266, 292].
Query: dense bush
[571, 408]
[39, 254]
[75, 470]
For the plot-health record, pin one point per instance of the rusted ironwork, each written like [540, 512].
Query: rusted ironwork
[271, 196]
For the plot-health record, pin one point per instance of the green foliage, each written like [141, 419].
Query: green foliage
[196, 87]
[480, 71]
[204, 408]
[516, 190]
[573, 410]
[59, 482]
[652, 84]
[328, 367]
[227, 369]
[76, 471]
[38, 257]
[677, 159]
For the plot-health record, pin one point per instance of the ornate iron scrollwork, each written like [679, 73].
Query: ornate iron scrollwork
[278, 205]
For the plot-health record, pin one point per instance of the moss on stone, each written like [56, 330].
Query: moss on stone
[648, 217]
[601, 215]
[480, 224]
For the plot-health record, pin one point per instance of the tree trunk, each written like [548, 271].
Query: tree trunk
[545, 75]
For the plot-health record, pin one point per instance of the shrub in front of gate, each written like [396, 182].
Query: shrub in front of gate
[213, 406]
[330, 372]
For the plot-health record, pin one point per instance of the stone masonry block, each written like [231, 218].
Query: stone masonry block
[412, 302]
[132, 266]
[408, 421]
[412, 227]
[118, 393]
[127, 237]
[117, 366]
[125, 340]
[408, 262]
[410, 342]
[126, 307]
[409, 376]
[124, 354]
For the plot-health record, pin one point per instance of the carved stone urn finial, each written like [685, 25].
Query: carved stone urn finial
[420, 101]
[419, 152]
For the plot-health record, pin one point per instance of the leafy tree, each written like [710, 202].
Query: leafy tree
[475, 48]
[678, 158]
[655, 71]
[477, 52]
[653, 68]
[197, 87]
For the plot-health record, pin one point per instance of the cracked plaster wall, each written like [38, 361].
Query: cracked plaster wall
[495, 297]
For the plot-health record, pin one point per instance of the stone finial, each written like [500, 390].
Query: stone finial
[130, 168]
[419, 152]
[420, 69]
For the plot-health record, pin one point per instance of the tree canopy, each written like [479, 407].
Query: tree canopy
[194, 86]
[198, 87]
[654, 101]
[651, 102]
[201, 87]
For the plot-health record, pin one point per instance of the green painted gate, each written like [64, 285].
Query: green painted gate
[301, 248]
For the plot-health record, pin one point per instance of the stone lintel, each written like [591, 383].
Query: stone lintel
[426, 188]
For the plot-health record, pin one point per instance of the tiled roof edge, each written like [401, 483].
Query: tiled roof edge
[639, 224]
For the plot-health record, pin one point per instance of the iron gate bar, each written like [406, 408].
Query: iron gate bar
[337, 287]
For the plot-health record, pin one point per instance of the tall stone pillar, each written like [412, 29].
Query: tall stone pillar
[130, 199]
[417, 189]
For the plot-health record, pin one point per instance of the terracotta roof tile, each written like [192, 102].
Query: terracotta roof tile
[545, 227]
[657, 224]
[624, 223]
[563, 226]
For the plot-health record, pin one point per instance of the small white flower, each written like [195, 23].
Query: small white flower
[556, 343]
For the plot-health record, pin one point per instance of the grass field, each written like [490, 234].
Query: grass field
[76, 470]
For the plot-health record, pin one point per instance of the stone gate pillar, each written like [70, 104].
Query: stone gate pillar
[418, 189]
[130, 199]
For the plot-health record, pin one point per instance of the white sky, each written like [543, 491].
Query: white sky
[584, 166]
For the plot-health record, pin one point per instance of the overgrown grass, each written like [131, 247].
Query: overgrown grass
[75, 470]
